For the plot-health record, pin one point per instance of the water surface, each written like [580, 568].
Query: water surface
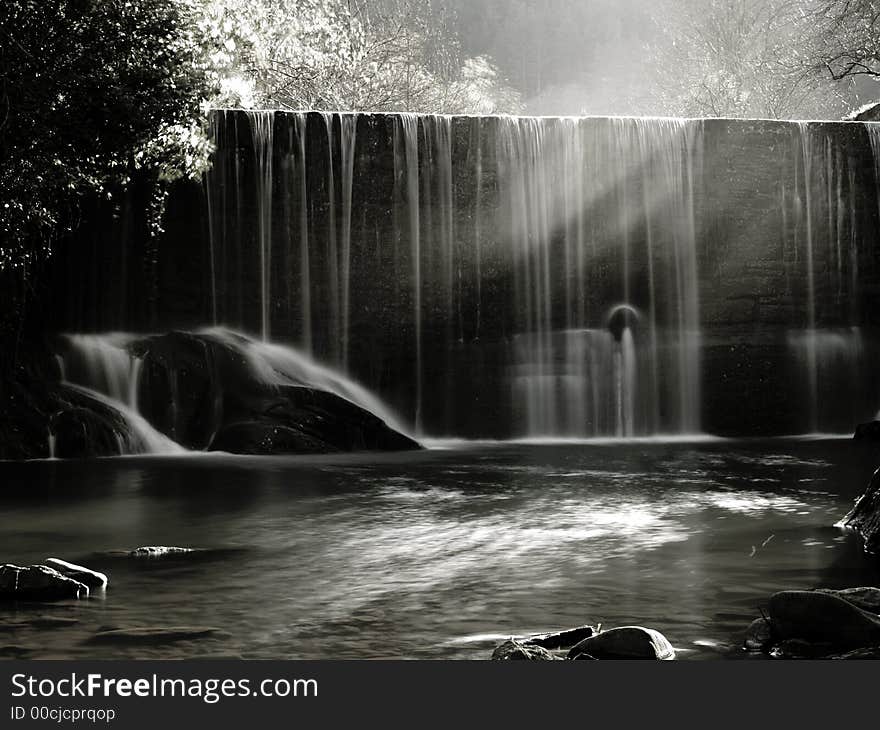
[435, 554]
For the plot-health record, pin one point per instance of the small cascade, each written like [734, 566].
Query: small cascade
[102, 367]
[52, 439]
[139, 436]
[836, 358]
[594, 384]
[103, 363]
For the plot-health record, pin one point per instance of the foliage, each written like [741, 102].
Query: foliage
[389, 55]
[91, 91]
[741, 58]
[846, 39]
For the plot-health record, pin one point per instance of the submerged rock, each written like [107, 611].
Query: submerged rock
[625, 642]
[864, 518]
[92, 578]
[869, 431]
[155, 634]
[759, 635]
[518, 650]
[159, 551]
[38, 583]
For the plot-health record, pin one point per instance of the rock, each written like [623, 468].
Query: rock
[92, 578]
[864, 518]
[155, 634]
[261, 438]
[625, 642]
[869, 431]
[801, 649]
[220, 391]
[820, 617]
[159, 551]
[759, 635]
[866, 598]
[517, 650]
[38, 583]
[559, 639]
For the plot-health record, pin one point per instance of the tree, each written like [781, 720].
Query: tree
[90, 92]
[741, 58]
[846, 38]
[390, 55]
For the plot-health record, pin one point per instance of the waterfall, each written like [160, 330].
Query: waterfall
[262, 130]
[828, 358]
[103, 363]
[409, 127]
[567, 218]
[298, 144]
[811, 352]
[628, 177]
[101, 367]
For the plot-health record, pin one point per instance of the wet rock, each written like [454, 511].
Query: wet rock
[518, 650]
[207, 391]
[625, 642]
[559, 639]
[160, 551]
[821, 617]
[38, 583]
[869, 431]
[864, 518]
[92, 578]
[759, 635]
[155, 634]
[867, 598]
[801, 649]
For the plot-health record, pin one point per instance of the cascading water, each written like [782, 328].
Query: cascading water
[469, 269]
[262, 129]
[558, 175]
[101, 367]
[830, 359]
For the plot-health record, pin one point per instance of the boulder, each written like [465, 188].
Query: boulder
[759, 635]
[91, 578]
[513, 649]
[864, 518]
[819, 617]
[869, 431]
[38, 583]
[865, 597]
[220, 391]
[625, 642]
[559, 639]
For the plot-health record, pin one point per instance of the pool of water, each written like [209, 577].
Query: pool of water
[436, 554]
